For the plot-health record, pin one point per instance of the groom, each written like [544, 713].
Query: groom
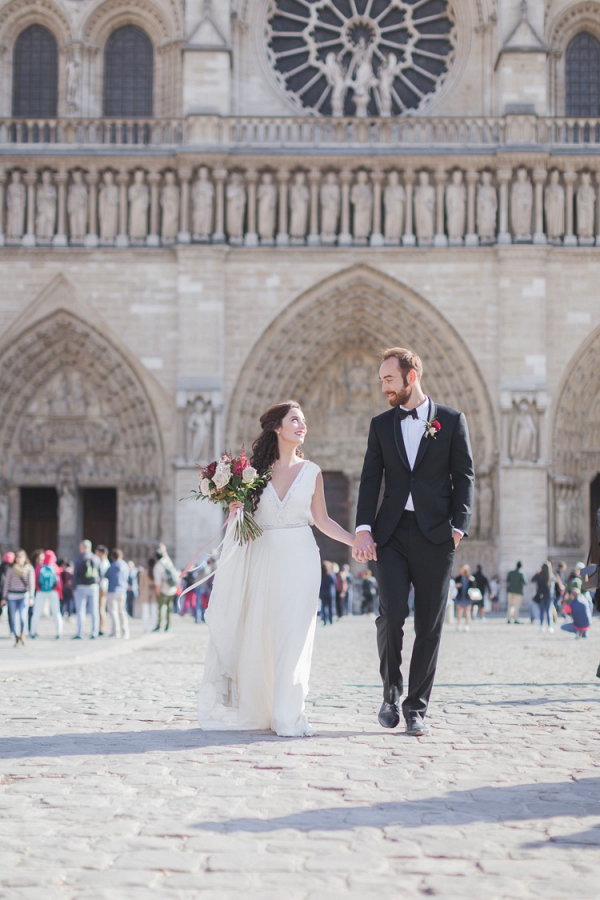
[423, 451]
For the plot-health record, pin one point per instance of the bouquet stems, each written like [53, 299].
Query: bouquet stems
[246, 528]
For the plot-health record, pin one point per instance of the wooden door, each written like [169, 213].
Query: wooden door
[39, 519]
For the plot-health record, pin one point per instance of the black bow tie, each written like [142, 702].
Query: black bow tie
[405, 413]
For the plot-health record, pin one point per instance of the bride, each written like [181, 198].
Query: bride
[263, 606]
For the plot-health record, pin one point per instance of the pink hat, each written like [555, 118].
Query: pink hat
[9, 558]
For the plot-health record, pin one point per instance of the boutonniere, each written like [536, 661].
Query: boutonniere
[432, 428]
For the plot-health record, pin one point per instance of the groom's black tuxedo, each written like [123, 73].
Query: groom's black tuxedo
[415, 547]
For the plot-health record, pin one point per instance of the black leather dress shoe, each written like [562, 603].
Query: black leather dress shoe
[416, 727]
[389, 715]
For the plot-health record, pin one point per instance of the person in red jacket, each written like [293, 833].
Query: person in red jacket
[48, 588]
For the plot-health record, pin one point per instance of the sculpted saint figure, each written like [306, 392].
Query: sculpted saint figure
[523, 435]
[364, 80]
[199, 429]
[387, 76]
[15, 201]
[45, 206]
[108, 207]
[336, 77]
[521, 205]
[586, 202]
[169, 201]
[267, 206]
[330, 207]
[236, 206]
[77, 206]
[299, 197]
[73, 72]
[139, 200]
[487, 208]
[203, 195]
[424, 208]
[456, 195]
[361, 198]
[554, 205]
[394, 198]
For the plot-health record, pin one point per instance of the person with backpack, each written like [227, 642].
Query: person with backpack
[117, 576]
[86, 583]
[19, 586]
[48, 589]
[166, 581]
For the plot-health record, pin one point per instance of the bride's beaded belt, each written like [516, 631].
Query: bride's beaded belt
[293, 525]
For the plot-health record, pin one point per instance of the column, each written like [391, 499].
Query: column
[504, 176]
[597, 173]
[219, 233]
[283, 238]
[376, 234]
[122, 236]
[91, 238]
[251, 239]
[345, 236]
[2, 187]
[569, 240]
[539, 178]
[184, 236]
[29, 236]
[471, 239]
[439, 239]
[153, 239]
[314, 237]
[408, 238]
[60, 238]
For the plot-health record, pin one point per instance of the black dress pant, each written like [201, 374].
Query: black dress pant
[410, 558]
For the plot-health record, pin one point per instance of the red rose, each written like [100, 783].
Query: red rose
[436, 425]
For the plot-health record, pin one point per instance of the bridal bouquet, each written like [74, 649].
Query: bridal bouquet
[232, 479]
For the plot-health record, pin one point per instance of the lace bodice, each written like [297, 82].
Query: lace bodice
[294, 510]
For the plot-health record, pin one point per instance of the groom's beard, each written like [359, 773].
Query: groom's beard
[400, 398]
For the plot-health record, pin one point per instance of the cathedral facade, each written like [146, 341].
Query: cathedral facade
[207, 206]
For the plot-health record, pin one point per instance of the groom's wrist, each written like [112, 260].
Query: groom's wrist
[363, 528]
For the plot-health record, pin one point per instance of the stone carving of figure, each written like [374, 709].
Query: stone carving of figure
[236, 206]
[486, 507]
[335, 75]
[521, 205]
[364, 79]
[15, 201]
[523, 434]
[387, 75]
[4, 511]
[567, 513]
[586, 203]
[267, 206]
[73, 77]
[487, 208]
[169, 201]
[199, 431]
[299, 197]
[456, 195]
[361, 198]
[424, 208]
[554, 206]
[45, 206]
[139, 200]
[330, 207]
[108, 207]
[67, 500]
[394, 198]
[203, 195]
[77, 206]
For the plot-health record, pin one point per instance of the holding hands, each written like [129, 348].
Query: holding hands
[364, 548]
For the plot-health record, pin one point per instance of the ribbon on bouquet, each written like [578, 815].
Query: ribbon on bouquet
[237, 514]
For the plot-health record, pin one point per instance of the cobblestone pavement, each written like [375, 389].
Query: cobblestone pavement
[108, 790]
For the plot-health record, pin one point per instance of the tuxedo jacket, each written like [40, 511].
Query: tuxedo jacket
[441, 480]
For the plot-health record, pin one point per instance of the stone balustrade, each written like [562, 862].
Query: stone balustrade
[425, 201]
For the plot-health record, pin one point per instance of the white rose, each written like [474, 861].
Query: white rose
[249, 474]
[222, 476]
[205, 487]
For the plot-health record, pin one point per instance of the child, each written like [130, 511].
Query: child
[582, 611]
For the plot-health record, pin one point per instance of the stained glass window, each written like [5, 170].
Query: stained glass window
[35, 73]
[128, 73]
[583, 76]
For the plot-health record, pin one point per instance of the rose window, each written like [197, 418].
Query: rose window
[360, 57]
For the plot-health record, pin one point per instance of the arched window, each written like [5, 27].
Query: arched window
[583, 76]
[128, 65]
[35, 73]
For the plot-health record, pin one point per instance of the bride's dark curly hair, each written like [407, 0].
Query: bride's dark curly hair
[265, 449]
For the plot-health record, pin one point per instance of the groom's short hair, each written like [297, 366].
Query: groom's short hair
[407, 360]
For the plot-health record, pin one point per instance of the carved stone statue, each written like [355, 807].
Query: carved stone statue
[387, 75]
[335, 75]
[394, 199]
[364, 79]
[236, 206]
[16, 197]
[424, 208]
[486, 508]
[45, 221]
[267, 207]
[199, 431]
[487, 208]
[67, 500]
[4, 511]
[523, 434]
[456, 196]
[203, 195]
[521, 205]
[299, 198]
[567, 515]
[361, 198]
[554, 205]
[330, 207]
[77, 206]
[73, 79]
[169, 201]
[108, 207]
[139, 200]
[585, 206]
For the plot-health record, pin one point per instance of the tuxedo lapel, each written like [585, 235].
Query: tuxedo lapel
[399, 439]
[425, 440]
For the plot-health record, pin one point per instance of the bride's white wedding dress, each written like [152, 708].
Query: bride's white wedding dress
[262, 617]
